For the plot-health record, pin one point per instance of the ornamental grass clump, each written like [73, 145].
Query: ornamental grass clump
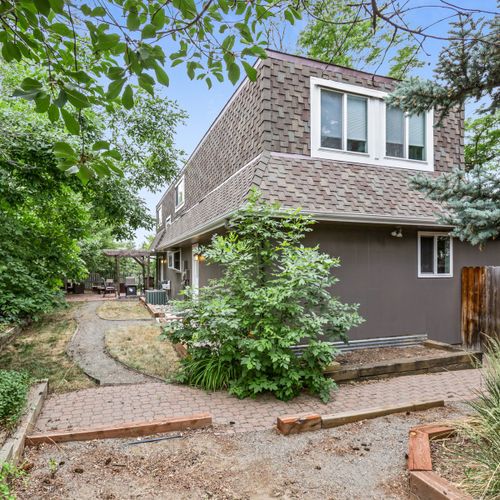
[274, 293]
[480, 458]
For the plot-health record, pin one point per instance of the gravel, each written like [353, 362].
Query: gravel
[365, 460]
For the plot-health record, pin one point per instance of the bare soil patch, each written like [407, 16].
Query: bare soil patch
[376, 355]
[139, 346]
[362, 460]
[40, 350]
[447, 459]
[123, 310]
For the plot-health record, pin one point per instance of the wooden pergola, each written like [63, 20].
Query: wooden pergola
[142, 257]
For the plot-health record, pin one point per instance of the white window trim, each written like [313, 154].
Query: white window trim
[171, 253]
[434, 274]
[177, 184]
[375, 129]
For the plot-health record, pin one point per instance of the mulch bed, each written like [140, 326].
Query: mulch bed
[375, 355]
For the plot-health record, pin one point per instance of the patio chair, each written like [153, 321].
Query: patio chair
[109, 286]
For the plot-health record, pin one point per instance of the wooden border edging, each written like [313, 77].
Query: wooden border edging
[13, 447]
[134, 429]
[293, 424]
[424, 483]
[456, 359]
[337, 419]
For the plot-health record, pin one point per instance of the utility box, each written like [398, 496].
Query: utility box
[156, 297]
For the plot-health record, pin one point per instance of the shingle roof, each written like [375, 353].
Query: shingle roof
[324, 188]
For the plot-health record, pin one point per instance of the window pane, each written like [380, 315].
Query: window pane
[443, 254]
[331, 119]
[427, 254]
[416, 146]
[394, 132]
[356, 124]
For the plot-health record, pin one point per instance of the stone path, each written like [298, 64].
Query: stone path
[87, 348]
[133, 403]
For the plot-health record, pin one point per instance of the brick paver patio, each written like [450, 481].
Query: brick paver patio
[138, 402]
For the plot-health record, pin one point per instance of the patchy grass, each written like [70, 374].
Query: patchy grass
[123, 310]
[40, 351]
[140, 347]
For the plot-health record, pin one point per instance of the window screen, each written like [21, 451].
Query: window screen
[331, 119]
[356, 124]
[427, 254]
[394, 132]
[416, 138]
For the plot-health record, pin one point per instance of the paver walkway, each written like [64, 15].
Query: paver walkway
[87, 348]
[133, 403]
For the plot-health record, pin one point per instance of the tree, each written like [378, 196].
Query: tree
[50, 222]
[471, 194]
[96, 56]
[336, 34]
[274, 293]
[468, 68]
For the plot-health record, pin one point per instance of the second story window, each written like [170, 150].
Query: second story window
[352, 123]
[343, 121]
[179, 194]
[404, 135]
[159, 216]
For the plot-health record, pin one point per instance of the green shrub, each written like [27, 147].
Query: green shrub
[7, 473]
[14, 388]
[274, 294]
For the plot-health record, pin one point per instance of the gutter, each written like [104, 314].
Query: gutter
[318, 216]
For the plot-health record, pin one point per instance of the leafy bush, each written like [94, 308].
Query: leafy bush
[274, 294]
[481, 458]
[14, 388]
[7, 473]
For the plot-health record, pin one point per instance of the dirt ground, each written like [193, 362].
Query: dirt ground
[123, 310]
[365, 460]
[375, 355]
[140, 347]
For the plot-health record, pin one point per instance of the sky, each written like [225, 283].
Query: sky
[203, 105]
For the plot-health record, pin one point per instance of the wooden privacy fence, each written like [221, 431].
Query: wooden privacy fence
[480, 304]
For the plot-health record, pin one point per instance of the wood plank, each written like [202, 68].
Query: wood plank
[134, 429]
[338, 419]
[436, 431]
[293, 424]
[427, 485]
[419, 451]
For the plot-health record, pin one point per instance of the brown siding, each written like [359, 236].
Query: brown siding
[380, 272]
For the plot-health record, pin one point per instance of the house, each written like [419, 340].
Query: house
[321, 137]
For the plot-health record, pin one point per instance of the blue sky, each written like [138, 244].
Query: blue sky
[203, 105]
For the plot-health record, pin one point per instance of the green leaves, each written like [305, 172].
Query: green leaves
[273, 294]
[70, 121]
[233, 73]
[128, 97]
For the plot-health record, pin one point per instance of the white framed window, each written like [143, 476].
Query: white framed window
[353, 124]
[179, 194]
[174, 260]
[159, 216]
[405, 135]
[343, 121]
[168, 220]
[435, 255]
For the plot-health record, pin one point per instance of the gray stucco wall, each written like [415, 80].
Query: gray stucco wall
[379, 272]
